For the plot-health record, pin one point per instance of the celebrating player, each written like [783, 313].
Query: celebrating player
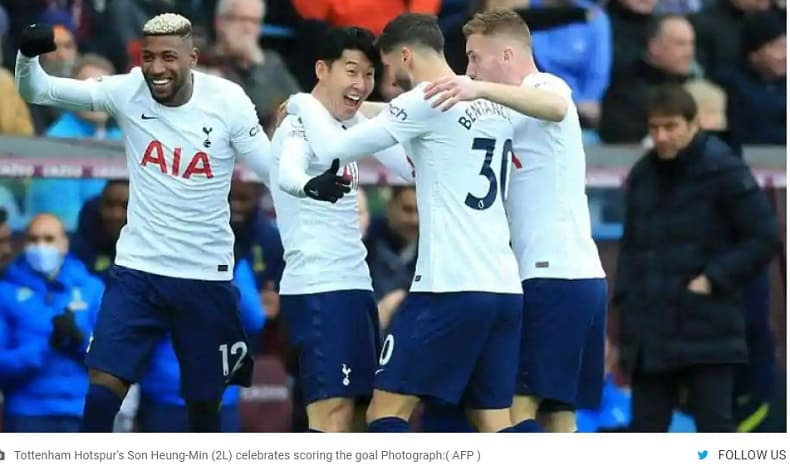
[326, 293]
[456, 336]
[562, 346]
[174, 260]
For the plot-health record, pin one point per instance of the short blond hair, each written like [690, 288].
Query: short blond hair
[499, 22]
[168, 24]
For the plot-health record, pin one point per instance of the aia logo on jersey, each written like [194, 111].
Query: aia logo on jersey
[198, 165]
[351, 173]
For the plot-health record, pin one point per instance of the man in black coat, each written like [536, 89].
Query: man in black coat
[697, 229]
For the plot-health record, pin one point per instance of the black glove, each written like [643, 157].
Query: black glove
[65, 332]
[328, 186]
[37, 39]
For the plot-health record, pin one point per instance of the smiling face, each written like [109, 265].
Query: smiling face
[348, 82]
[167, 65]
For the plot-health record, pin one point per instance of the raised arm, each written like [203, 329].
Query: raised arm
[37, 87]
[356, 143]
[547, 102]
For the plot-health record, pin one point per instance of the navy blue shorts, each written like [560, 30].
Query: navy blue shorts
[336, 335]
[138, 309]
[460, 348]
[563, 339]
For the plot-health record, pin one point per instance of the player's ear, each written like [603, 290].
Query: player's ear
[507, 54]
[193, 56]
[321, 69]
[405, 54]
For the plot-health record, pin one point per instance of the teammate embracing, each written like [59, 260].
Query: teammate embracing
[563, 330]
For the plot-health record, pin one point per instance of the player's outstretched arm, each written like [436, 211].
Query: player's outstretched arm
[545, 103]
[348, 146]
[37, 87]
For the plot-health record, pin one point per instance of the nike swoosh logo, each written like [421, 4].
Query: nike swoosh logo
[380, 370]
[314, 192]
[145, 117]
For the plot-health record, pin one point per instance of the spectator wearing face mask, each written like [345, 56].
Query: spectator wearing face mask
[48, 306]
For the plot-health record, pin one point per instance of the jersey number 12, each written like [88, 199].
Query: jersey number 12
[489, 145]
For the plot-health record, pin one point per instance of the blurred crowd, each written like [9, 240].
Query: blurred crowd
[730, 54]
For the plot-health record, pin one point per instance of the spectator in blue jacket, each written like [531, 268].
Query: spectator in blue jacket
[161, 407]
[580, 54]
[48, 306]
[62, 197]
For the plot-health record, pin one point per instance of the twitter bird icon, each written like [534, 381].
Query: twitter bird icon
[702, 454]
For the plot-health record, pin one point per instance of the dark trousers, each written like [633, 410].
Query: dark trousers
[14, 423]
[708, 388]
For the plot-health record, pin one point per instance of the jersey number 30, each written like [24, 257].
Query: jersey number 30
[489, 145]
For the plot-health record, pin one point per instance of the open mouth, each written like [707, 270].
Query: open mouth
[160, 83]
[352, 100]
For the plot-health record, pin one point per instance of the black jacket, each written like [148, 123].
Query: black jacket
[702, 213]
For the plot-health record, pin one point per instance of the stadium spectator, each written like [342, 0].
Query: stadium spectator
[258, 241]
[64, 198]
[162, 409]
[697, 229]
[711, 104]
[580, 54]
[392, 251]
[48, 305]
[669, 59]
[756, 89]
[261, 72]
[14, 114]
[99, 226]
[6, 251]
[60, 63]
[630, 25]
[368, 14]
[719, 29]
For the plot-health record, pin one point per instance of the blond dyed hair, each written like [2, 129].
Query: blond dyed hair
[501, 23]
[168, 24]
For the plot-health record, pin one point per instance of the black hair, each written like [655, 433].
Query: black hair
[338, 40]
[412, 29]
[3, 216]
[672, 100]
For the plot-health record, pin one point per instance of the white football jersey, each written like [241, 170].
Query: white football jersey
[180, 162]
[461, 159]
[547, 204]
[322, 241]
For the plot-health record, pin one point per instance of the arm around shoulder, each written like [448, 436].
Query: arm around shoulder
[544, 103]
